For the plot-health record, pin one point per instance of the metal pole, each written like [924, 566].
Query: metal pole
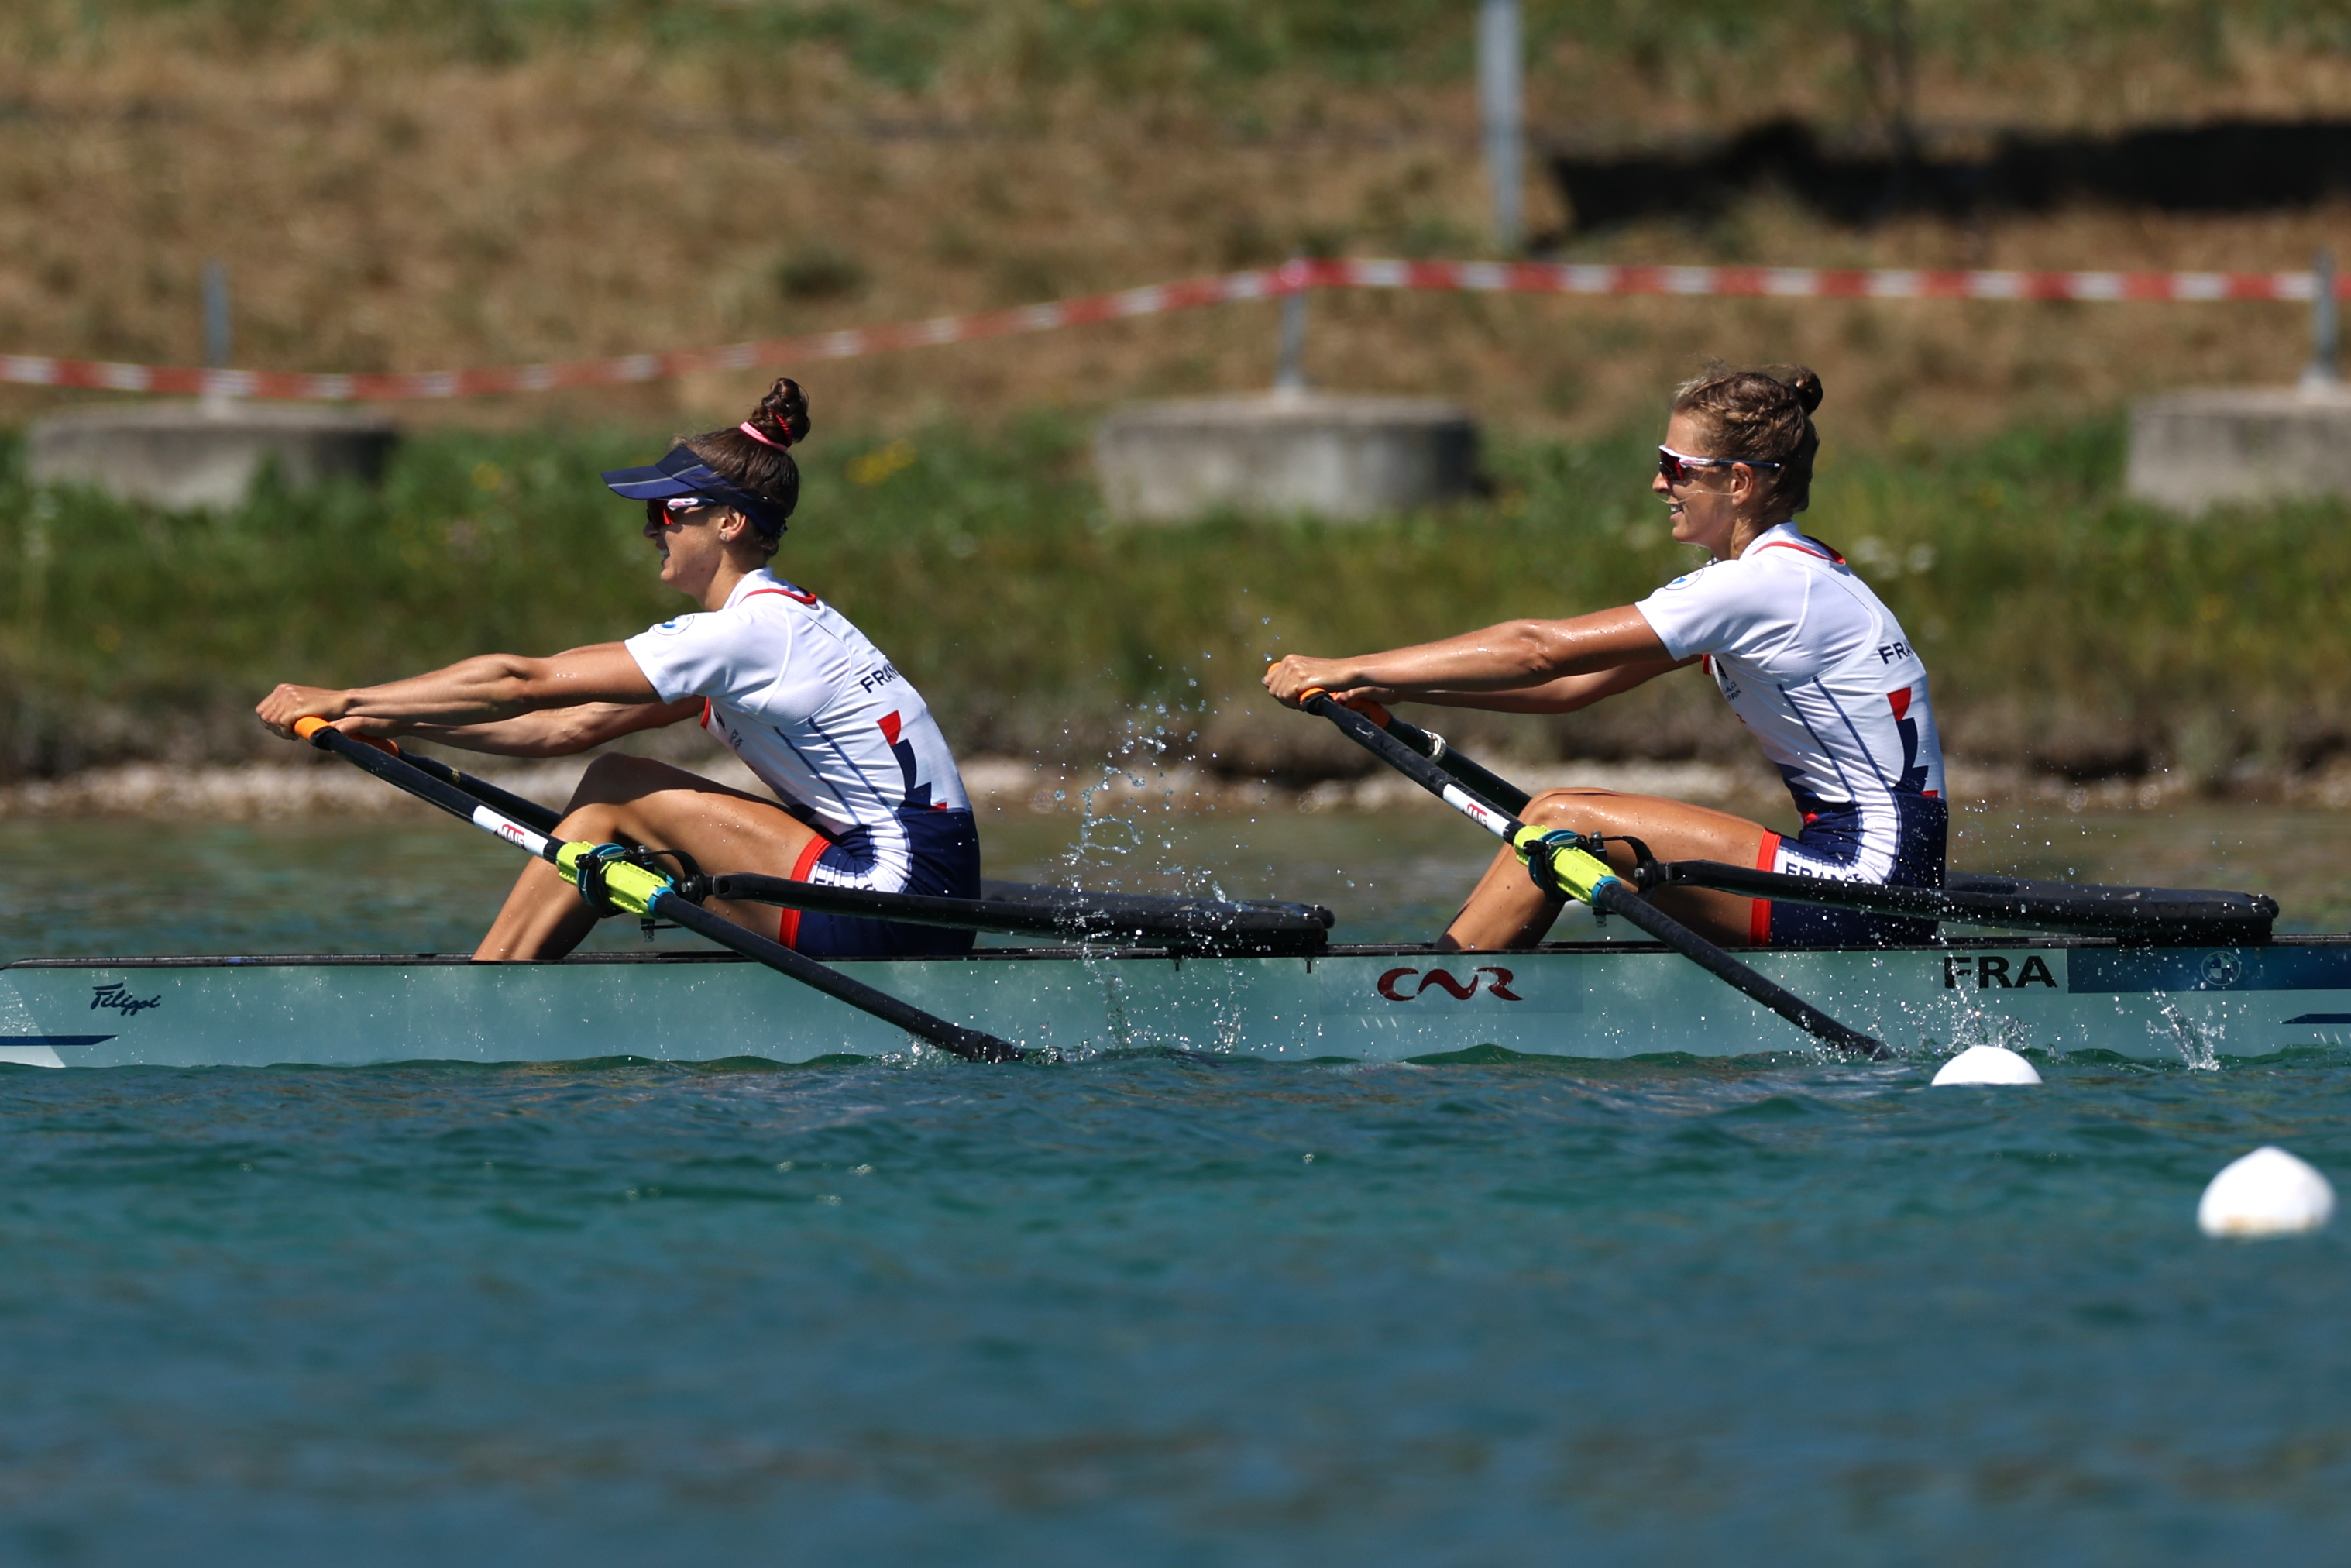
[1289, 372]
[2321, 376]
[217, 317]
[1501, 100]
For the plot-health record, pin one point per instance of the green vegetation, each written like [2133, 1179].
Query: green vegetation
[2065, 629]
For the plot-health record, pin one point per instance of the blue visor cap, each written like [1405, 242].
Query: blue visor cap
[681, 472]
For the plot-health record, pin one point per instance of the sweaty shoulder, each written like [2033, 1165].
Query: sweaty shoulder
[1716, 608]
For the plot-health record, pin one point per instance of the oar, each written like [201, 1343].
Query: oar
[529, 813]
[2146, 914]
[1490, 787]
[1203, 923]
[638, 890]
[2157, 914]
[1560, 866]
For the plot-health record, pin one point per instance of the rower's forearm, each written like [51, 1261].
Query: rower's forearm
[1525, 699]
[481, 691]
[1495, 658]
[558, 732]
[544, 733]
[1514, 656]
[1567, 693]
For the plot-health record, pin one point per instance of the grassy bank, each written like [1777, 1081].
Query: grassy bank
[2066, 631]
[433, 183]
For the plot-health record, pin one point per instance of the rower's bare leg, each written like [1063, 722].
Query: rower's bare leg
[1507, 910]
[635, 800]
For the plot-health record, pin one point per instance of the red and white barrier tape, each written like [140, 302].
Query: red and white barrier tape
[1475, 276]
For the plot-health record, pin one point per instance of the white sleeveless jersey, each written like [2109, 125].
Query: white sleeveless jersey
[1815, 665]
[811, 708]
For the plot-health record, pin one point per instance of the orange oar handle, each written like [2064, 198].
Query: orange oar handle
[1364, 705]
[307, 728]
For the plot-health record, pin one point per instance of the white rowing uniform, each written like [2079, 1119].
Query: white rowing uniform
[1816, 666]
[827, 722]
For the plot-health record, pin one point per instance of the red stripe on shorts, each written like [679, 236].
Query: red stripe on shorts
[1759, 911]
[787, 923]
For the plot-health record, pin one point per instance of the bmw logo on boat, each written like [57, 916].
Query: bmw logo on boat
[2221, 970]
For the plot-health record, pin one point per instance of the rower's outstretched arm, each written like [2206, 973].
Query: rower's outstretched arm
[480, 691]
[1565, 695]
[1511, 656]
[552, 732]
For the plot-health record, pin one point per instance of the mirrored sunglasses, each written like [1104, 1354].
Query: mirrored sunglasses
[1676, 465]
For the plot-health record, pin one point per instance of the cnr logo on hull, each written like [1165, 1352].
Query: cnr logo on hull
[1397, 985]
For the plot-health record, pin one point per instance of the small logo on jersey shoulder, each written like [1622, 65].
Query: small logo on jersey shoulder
[672, 628]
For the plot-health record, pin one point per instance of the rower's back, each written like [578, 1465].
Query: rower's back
[1814, 664]
[808, 702]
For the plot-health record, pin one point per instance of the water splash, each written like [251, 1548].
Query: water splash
[1967, 1025]
[2198, 1043]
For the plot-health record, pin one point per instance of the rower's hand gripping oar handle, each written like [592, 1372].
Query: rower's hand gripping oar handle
[309, 728]
[1576, 873]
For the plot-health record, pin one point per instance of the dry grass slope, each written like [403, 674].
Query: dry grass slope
[421, 185]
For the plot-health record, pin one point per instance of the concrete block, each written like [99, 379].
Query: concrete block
[183, 455]
[1283, 453]
[2194, 450]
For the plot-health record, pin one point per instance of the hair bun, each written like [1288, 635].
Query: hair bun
[1806, 386]
[783, 413]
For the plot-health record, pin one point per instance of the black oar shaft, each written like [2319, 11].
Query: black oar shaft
[1490, 787]
[971, 1044]
[529, 813]
[1226, 927]
[402, 773]
[1616, 898]
[1611, 896]
[2146, 913]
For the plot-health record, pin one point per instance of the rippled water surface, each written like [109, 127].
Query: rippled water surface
[1144, 1309]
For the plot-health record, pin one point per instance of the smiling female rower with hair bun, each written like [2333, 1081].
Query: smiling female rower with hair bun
[866, 790]
[1808, 657]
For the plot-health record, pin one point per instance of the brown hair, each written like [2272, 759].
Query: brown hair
[767, 471]
[1757, 416]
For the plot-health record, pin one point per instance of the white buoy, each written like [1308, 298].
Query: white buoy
[2267, 1193]
[1987, 1064]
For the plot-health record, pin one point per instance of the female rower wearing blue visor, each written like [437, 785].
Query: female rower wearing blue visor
[865, 790]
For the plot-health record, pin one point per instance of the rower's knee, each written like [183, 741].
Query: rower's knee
[1566, 808]
[596, 822]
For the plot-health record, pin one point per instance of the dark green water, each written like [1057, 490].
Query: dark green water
[1147, 1310]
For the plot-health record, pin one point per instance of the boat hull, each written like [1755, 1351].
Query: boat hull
[1594, 999]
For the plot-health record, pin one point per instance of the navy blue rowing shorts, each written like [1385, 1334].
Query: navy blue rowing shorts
[943, 848]
[1903, 847]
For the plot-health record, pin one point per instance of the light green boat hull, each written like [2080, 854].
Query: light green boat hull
[1355, 1004]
